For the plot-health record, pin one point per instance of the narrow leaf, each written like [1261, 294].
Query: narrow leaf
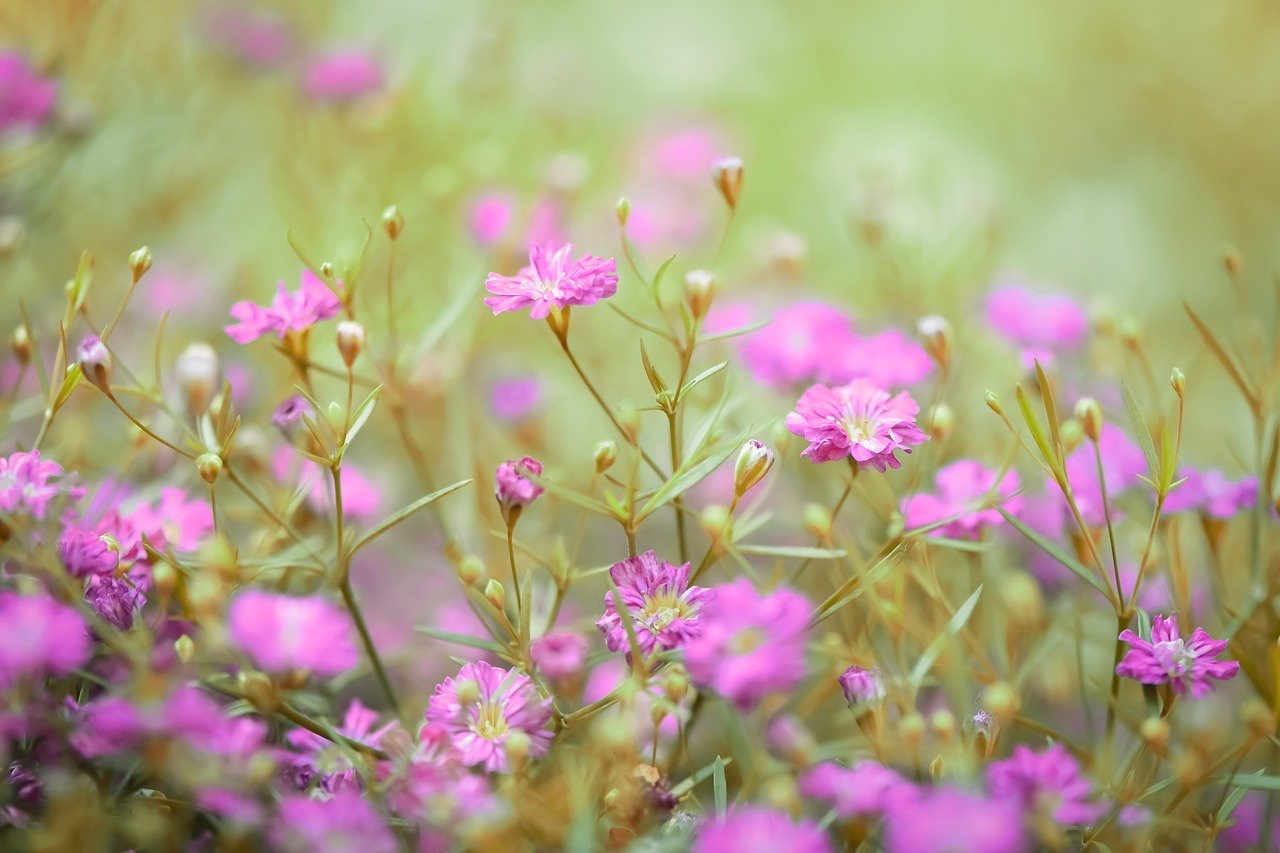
[461, 639]
[799, 552]
[954, 627]
[1055, 551]
[721, 788]
[392, 520]
[1140, 427]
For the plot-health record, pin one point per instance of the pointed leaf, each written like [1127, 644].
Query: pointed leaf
[954, 627]
[394, 519]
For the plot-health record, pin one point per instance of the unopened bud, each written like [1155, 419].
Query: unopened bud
[1089, 413]
[606, 454]
[715, 520]
[495, 593]
[699, 291]
[350, 340]
[517, 748]
[1231, 260]
[943, 723]
[940, 421]
[185, 648]
[788, 737]
[139, 263]
[1002, 701]
[1130, 331]
[935, 334]
[623, 211]
[629, 420]
[95, 362]
[210, 466]
[20, 343]
[993, 402]
[1023, 600]
[197, 373]
[727, 176]
[675, 683]
[817, 521]
[1178, 381]
[754, 462]
[937, 768]
[258, 689]
[470, 570]
[911, 729]
[392, 221]
[164, 578]
[326, 270]
[468, 691]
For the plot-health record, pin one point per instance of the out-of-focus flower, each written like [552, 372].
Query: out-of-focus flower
[26, 484]
[955, 821]
[298, 311]
[289, 414]
[482, 706]
[793, 347]
[1186, 665]
[864, 791]
[116, 600]
[1036, 321]
[751, 645]
[1211, 493]
[756, 828]
[559, 655]
[38, 637]
[1246, 831]
[85, 553]
[196, 371]
[489, 217]
[961, 486]
[26, 98]
[510, 486]
[515, 398]
[1048, 782]
[259, 39]
[862, 685]
[1122, 464]
[175, 520]
[344, 823]
[342, 76]
[329, 768]
[665, 611]
[282, 633]
[858, 420]
[553, 279]
[360, 497]
[113, 725]
[889, 359]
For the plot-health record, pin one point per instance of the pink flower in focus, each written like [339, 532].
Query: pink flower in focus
[553, 279]
[342, 76]
[38, 637]
[515, 398]
[1188, 666]
[1211, 493]
[344, 823]
[510, 486]
[282, 633]
[559, 655]
[85, 553]
[26, 484]
[1049, 782]
[955, 821]
[327, 767]
[1033, 320]
[482, 706]
[864, 791]
[26, 98]
[861, 685]
[756, 828]
[298, 311]
[490, 216]
[665, 610]
[751, 645]
[961, 486]
[796, 343]
[858, 420]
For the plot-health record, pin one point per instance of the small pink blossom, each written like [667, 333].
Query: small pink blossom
[116, 600]
[84, 553]
[258, 39]
[26, 98]
[360, 497]
[795, 344]
[318, 762]
[175, 519]
[862, 685]
[665, 610]
[490, 216]
[342, 76]
[757, 828]
[1212, 494]
[38, 637]
[553, 279]
[864, 791]
[511, 488]
[515, 398]
[1122, 463]
[344, 823]
[1033, 320]
[282, 633]
[859, 420]
[961, 487]
[1186, 665]
[27, 484]
[889, 359]
[482, 706]
[298, 311]
[1050, 782]
[559, 655]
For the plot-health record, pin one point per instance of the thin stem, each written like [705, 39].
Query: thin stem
[140, 425]
[371, 651]
[511, 558]
[1106, 512]
[675, 504]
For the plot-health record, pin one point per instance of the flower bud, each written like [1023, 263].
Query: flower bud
[940, 421]
[185, 648]
[629, 420]
[468, 692]
[699, 291]
[911, 729]
[1023, 600]
[350, 341]
[788, 738]
[258, 689]
[513, 490]
[675, 683]
[1002, 701]
[326, 270]
[623, 211]
[95, 362]
[495, 593]
[12, 235]
[943, 724]
[935, 334]
[20, 343]
[1089, 413]
[164, 578]
[606, 454]
[210, 466]
[1178, 381]
[197, 373]
[1130, 331]
[517, 748]
[754, 462]
[716, 521]
[1155, 732]
[392, 221]
[861, 686]
[470, 570]
[727, 176]
[993, 402]
[1231, 260]
[139, 263]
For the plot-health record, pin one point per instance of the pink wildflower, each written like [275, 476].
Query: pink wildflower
[511, 488]
[318, 762]
[282, 633]
[793, 347]
[489, 217]
[553, 279]
[85, 553]
[858, 420]
[360, 497]
[862, 685]
[257, 39]
[889, 359]
[175, 519]
[961, 486]
[751, 645]
[515, 398]
[115, 599]
[864, 791]
[1186, 665]
[312, 302]
[1212, 494]
[1033, 320]
[665, 610]
[1048, 782]
[559, 655]
[26, 98]
[289, 414]
[1122, 464]
[342, 76]
[482, 706]
[38, 637]
[756, 828]
[344, 823]
[26, 484]
[955, 821]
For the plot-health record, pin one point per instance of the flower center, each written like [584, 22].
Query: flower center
[747, 641]
[661, 610]
[1175, 657]
[490, 723]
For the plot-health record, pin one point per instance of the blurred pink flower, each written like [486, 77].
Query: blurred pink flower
[84, 553]
[862, 792]
[665, 610]
[687, 153]
[1211, 493]
[1050, 780]
[561, 655]
[255, 38]
[27, 484]
[758, 828]
[1122, 463]
[889, 359]
[343, 823]
[1186, 665]
[553, 279]
[319, 763]
[342, 76]
[515, 398]
[298, 311]
[858, 420]
[282, 633]
[175, 520]
[961, 486]
[489, 217]
[956, 821]
[1039, 324]
[26, 98]
[113, 725]
[360, 497]
[39, 637]
[796, 343]
[482, 706]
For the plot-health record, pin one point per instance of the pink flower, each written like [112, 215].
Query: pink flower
[489, 217]
[665, 610]
[858, 420]
[1188, 666]
[257, 39]
[751, 645]
[889, 359]
[114, 725]
[553, 279]
[342, 76]
[175, 520]
[1049, 782]
[26, 98]
[795, 344]
[559, 655]
[312, 302]
[1122, 463]
[482, 706]
[85, 553]
[1211, 493]
[327, 767]
[961, 487]
[1246, 834]
[38, 637]
[954, 821]
[861, 685]
[115, 599]
[26, 484]
[756, 828]
[510, 486]
[282, 633]
[360, 497]
[289, 414]
[344, 823]
[865, 791]
[515, 398]
[1036, 320]
[686, 153]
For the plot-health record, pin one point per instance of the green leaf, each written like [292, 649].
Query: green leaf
[1140, 427]
[800, 552]
[639, 323]
[462, 639]
[361, 417]
[1053, 550]
[733, 333]
[1233, 799]
[693, 780]
[1227, 362]
[1252, 781]
[954, 626]
[394, 519]
[1037, 431]
[1050, 411]
[701, 377]
[720, 788]
[689, 476]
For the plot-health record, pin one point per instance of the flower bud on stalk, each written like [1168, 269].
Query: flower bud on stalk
[393, 222]
[993, 402]
[351, 341]
[935, 333]
[727, 176]
[495, 593]
[1178, 381]
[623, 211]
[20, 343]
[210, 466]
[470, 570]
[513, 491]
[95, 362]
[197, 373]
[1089, 414]
[139, 263]
[606, 454]
[699, 291]
[754, 462]
[940, 421]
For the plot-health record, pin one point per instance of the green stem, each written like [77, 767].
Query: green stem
[371, 651]
[511, 558]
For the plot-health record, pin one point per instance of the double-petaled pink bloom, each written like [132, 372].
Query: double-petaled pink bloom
[860, 421]
[298, 311]
[553, 279]
[1186, 665]
[510, 486]
[482, 707]
[665, 610]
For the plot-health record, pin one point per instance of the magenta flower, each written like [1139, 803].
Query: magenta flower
[489, 217]
[665, 610]
[1188, 666]
[796, 343]
[26, 98]
[756, 828]
[515, 398]
[1122, 463]
[360, 497]
[559, 655]
[26, 484]
[510, 486]
[864, 791]
[113, 725]
[329, 768]
[175, 520]
[344, 823]
[85, 553]
[860, 421]
[1033, 320]
[1048, 782]
[38, 637]
[342, 76]
[1212, 494]
[289, 414]
[482, 706]
[312, 302]
[961, 487]
[282, 633]
[115, 599]
[889, 359]
[751, 645]
[862, 685]
[257, 39]
[955, 821]
[553, 279]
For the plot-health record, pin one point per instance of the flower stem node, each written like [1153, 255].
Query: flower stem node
[139, 263]
[393, 222]
[351, 341]
[210, 466]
